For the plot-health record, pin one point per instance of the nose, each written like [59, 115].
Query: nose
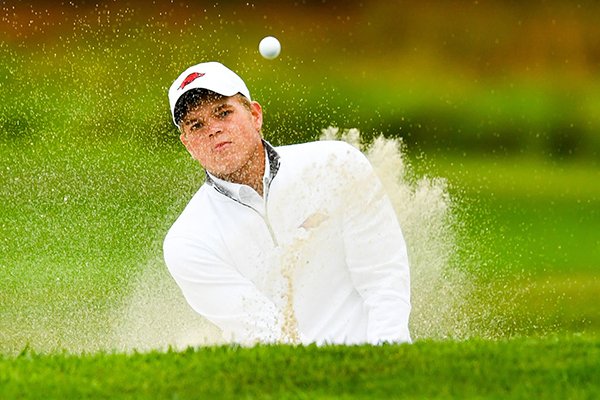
[215, 128]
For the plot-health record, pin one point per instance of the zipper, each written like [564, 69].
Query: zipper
[264, 217]
[266, 189]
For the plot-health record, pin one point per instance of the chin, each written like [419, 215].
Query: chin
[221, 172]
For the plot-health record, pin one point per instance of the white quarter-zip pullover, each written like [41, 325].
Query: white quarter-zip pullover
[320, 258]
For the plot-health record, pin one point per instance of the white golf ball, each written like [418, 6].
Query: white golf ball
[269, 47]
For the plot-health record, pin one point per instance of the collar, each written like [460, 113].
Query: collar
[243, 193]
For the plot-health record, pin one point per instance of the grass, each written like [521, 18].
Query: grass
[529, 234]
[544, 214]
[555, 367]
[79, 221]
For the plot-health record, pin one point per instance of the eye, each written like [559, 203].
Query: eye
[224, 113]
[196, 126]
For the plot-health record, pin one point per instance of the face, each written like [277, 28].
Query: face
[224, 136]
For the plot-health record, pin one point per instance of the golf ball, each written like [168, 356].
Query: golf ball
[269, 47]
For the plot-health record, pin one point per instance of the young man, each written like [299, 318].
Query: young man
[293, 244]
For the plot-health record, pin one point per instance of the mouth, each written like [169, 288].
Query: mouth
[222, 145]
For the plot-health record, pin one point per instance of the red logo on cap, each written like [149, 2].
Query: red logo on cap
[191, 78]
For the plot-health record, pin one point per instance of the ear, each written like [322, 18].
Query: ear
[257, 116]
[185, 142]
[182, 138]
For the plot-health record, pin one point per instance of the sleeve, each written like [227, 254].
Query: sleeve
[376, 255]
[218, 292]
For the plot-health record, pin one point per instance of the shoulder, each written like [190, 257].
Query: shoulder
[196, 217]
[319, 146]
[323, 150]
[192, 235]
[327, 163]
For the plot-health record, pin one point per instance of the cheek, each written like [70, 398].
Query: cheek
[196, 150]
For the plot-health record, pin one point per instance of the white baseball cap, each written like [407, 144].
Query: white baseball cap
[212, 76]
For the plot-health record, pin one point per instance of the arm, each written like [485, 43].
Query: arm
[218, 292]
[376, 254]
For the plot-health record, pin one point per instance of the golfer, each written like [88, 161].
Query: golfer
[291, 244]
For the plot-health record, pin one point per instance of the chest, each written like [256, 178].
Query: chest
[299, 234]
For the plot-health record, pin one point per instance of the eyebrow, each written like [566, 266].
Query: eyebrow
[221, 106]
[217, 108]
[189, 121]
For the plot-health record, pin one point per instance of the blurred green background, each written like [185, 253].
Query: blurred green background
[501, 98]
[495, 77]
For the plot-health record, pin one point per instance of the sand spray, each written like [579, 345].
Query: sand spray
[155, 315]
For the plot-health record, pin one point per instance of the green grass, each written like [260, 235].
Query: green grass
[529, 214]
[529, 234]
[525, 368]
[79, 221]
